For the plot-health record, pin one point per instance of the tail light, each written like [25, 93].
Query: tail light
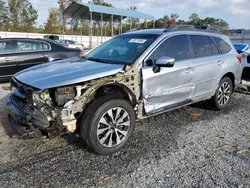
[80, 54]
[239, 57]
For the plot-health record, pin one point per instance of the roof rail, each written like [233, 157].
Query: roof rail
[193, 28]
[131, 30]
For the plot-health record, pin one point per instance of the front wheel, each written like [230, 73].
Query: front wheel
[107, 125]
[223, 94]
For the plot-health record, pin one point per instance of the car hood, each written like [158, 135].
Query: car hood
[65, 72]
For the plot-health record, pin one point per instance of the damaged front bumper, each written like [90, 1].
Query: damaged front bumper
[26, 122]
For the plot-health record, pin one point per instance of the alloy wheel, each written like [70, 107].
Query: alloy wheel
[113, 127]
[224, 94]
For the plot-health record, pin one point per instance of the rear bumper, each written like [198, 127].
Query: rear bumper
[24, 122]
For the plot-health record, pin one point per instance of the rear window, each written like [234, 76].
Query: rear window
[223, 46]
[201, 46]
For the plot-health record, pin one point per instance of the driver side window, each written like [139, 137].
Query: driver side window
[176, 47]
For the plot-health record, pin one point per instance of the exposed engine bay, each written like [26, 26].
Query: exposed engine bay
[61, 107]
[57, 103]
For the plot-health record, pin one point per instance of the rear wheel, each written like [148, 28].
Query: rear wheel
[107, 125]
[223, 93]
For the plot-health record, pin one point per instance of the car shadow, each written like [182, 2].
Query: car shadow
[206, 105]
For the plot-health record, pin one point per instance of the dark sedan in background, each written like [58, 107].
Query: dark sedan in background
[17, 54]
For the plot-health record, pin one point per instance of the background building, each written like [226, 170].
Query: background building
[240, 35]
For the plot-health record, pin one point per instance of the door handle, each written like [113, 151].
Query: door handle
[220, 62]
[188, 70]
[7, 59]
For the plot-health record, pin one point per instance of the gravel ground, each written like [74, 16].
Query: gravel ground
[190, 147]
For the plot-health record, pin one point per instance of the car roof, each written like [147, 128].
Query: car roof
[34, 39]
[147, 31]
[42, 39]
[181, 28]
[165, 32]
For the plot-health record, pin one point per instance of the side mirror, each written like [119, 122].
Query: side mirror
[164, 61]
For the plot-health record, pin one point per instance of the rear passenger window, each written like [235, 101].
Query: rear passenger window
[201, 46]
[176, 47]
[224, 46]
[29, 46]
[5, 47]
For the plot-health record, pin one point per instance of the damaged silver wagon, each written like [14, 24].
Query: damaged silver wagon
[132, 76]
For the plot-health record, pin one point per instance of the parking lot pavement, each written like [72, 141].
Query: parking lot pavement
[189, 147]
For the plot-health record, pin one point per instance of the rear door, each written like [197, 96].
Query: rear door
[7, 59]
[206, 65]
[31, 52]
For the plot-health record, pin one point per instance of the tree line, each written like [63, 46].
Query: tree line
[21, 16]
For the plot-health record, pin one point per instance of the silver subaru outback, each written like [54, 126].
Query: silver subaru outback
[130, 77]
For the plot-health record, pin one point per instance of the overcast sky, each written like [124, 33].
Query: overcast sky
[235, 12]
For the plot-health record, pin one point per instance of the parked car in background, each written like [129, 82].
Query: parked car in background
[245, 56]
[17, 54]
[71, 44]
[144, 73]
[241, 47]
[52, 37]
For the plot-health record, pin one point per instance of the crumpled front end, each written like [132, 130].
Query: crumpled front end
[35, 113]
[55, 111]
[27, 119]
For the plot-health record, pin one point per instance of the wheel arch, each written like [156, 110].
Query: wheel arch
[117, 89]
[231, 76]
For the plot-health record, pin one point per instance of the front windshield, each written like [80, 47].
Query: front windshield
[123, 49]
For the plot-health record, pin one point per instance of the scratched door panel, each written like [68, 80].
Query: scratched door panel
[169, 86]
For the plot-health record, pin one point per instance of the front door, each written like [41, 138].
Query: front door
[171, 87]
[7, 59]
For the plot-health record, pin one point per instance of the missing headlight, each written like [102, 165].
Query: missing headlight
[63, 95]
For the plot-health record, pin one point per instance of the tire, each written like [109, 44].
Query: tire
[96, 127]
[222, 97]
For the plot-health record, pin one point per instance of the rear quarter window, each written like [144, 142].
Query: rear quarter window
[223, 45]
[46, 47]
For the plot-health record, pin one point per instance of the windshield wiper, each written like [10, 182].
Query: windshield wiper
[97, 60]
